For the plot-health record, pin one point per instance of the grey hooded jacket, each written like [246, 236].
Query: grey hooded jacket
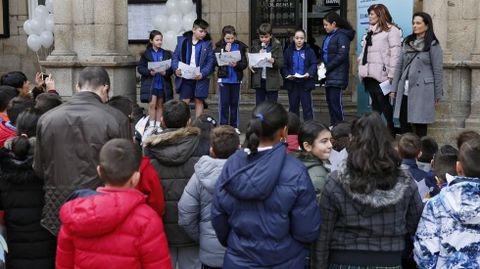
[194, 210]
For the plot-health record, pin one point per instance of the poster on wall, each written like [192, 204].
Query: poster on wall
[4, 25]
[401, 11]
[140, 18]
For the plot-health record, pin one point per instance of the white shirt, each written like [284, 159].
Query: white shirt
[193, 57]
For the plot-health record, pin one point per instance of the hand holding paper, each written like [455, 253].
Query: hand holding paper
[188, 71]
[260, 60]
[160, 66]
[226, 58]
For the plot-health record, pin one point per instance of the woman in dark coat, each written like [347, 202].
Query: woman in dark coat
[21, 197]
[335, 49]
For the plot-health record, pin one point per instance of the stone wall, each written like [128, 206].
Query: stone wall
[14, 53]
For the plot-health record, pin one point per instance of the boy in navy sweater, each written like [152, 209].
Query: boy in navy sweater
[194, 48]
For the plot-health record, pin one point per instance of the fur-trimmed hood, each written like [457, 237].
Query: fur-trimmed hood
[379, 198]
[173, 146]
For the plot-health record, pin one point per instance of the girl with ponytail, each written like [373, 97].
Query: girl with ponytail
[264, 207]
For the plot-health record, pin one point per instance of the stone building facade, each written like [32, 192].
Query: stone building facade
[93, 32]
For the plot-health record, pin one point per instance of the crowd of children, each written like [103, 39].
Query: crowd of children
[296, 194]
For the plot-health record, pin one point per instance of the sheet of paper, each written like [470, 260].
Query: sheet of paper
[422, 188]
[188, 71]
[386, 87]
[226, 57]
[160, 66]
[336, 158]
[259, 60]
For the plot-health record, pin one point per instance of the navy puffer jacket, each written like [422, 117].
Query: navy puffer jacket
[264, 210]
[338, 62]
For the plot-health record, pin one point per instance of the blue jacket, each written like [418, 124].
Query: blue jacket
[147, 79]
[448, 234]
[310, 64]
[264, 210]
[206, 62]
[338, 62]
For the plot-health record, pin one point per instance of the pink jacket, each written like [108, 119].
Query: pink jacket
[382, 56]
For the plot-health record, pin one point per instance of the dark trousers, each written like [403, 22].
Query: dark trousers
[208, 267]
[262, 95]
[380, 102]
[301, 95]
[419, 129]
[229, 97]
[335, 104]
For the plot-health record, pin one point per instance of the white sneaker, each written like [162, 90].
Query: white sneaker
[237, 131]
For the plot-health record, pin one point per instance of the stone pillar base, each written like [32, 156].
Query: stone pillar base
[65, 71]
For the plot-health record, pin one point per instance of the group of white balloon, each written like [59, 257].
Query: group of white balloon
[40, 28]
[180, 17]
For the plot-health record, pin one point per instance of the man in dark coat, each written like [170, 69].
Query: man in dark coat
[69, 139]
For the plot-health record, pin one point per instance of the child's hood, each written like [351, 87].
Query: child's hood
[207, 170]
[100, 214]
[257, 179]
[462, 201]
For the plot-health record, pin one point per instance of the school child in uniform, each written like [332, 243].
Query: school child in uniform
[195, 49]
[230, 78]
[300, 59]
[156, 86]
[264, 210]
[267, 81]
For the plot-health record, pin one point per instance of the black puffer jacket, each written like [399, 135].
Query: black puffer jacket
[173, 154]
[21, 196]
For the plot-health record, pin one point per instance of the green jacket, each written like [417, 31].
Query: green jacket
[316, 170]
[274, 78]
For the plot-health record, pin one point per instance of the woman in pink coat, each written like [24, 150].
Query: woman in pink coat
[380, 53]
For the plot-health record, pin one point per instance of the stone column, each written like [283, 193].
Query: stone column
[453, 110]
[473, 121]
[104, 27]
[63, 28]
[438, 9]
[92, 33]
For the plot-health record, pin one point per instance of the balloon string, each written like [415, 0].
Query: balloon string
[38, 59]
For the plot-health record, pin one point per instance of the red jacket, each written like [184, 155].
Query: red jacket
[5, 133]
[150, 185]
[292, 141]
[113, 229]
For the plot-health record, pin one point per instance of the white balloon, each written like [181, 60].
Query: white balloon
[170, 40]
[50, 23]
[34, 42]
[173, 7]
[187, 21]
[174, 23]
[40, 12]
[49, 5]
[46, 38]
[193, 14]
[160, 22]
[37, 25]
[185, 6]
[27, 27]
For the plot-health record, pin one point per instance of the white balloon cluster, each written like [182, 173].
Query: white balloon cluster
[40, 28]
[180, 17]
